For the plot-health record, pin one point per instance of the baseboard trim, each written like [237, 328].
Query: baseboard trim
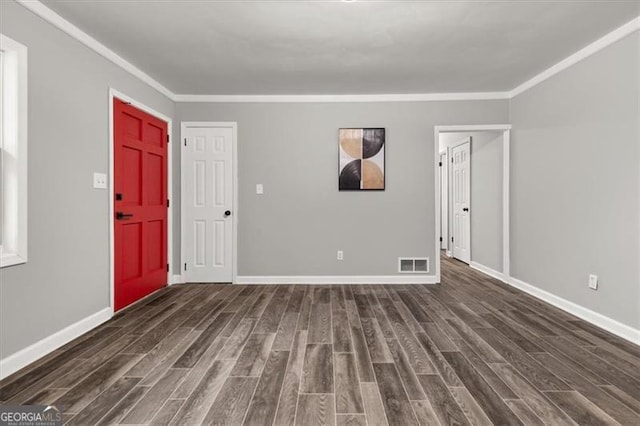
[337, 279]
[621, 330]
[487, 271]
[26, 356]
[176, 279]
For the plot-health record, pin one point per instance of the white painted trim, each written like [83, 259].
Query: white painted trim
[8, 258]
[599, 320]
[506, 202]
[236, 208]
[59, 22]
[15, 110]
[113, 93]
[506, 129]
[177, 279]
[26, 356]
[414, 97]
[581, 54]
[487, 271]
[436, 190]
[337, 279]
[595, 318]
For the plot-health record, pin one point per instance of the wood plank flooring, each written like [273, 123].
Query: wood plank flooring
[468, 351]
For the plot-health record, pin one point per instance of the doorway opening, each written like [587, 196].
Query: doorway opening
[472, 197]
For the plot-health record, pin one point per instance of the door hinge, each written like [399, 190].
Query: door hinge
[452, 160]
[167, 267]
[185, 141]
[440, 239]
[185, 266]
[168, 202]
[451, 239]
[440, 164]
[168, 140]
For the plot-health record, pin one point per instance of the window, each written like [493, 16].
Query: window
[13, 152]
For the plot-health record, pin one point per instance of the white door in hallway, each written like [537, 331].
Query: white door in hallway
[444, 202]
[461, 193]
[208, 203]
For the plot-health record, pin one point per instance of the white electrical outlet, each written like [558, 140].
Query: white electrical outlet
[593, 282]
[340, 255]
[259, 189]
[100, 181]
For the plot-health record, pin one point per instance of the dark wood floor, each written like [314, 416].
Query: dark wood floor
[468, 351]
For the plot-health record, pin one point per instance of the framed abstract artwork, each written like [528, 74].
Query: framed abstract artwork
[361, 159]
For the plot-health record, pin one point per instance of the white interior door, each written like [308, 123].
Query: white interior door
[444, 202]
[208, 203]
[461, 193]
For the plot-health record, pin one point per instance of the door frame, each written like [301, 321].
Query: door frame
[506, 138]
[113, 94]
[184, 125]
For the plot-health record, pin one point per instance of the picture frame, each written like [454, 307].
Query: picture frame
[362, 159]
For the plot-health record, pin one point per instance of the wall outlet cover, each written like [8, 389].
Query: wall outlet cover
[259, 189]
[340, 255]
[100, 181]
[593, 282]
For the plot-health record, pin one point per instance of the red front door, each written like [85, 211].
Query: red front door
[140, 200]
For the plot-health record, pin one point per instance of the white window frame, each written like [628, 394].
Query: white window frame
[13, 116]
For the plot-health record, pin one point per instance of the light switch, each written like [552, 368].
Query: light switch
[100, 181]
[259, 189]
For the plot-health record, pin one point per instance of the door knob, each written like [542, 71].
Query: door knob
[466, 209]
[123, 216]
[227, 213]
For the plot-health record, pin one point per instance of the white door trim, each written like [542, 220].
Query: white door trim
[506, 132]
[113, 93]
[506, 216]
[184, 125]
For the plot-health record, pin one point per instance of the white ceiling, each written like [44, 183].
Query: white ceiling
[337, 47]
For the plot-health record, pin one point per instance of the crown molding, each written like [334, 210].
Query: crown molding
[596, 46]
[419, 97]
[58, 21]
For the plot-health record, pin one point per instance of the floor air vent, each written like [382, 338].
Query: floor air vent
[413, 265]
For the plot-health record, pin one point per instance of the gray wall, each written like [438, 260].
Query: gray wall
[575, 186]
[486, 194]
[67, 276]
[565, 225]
[296, 227]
